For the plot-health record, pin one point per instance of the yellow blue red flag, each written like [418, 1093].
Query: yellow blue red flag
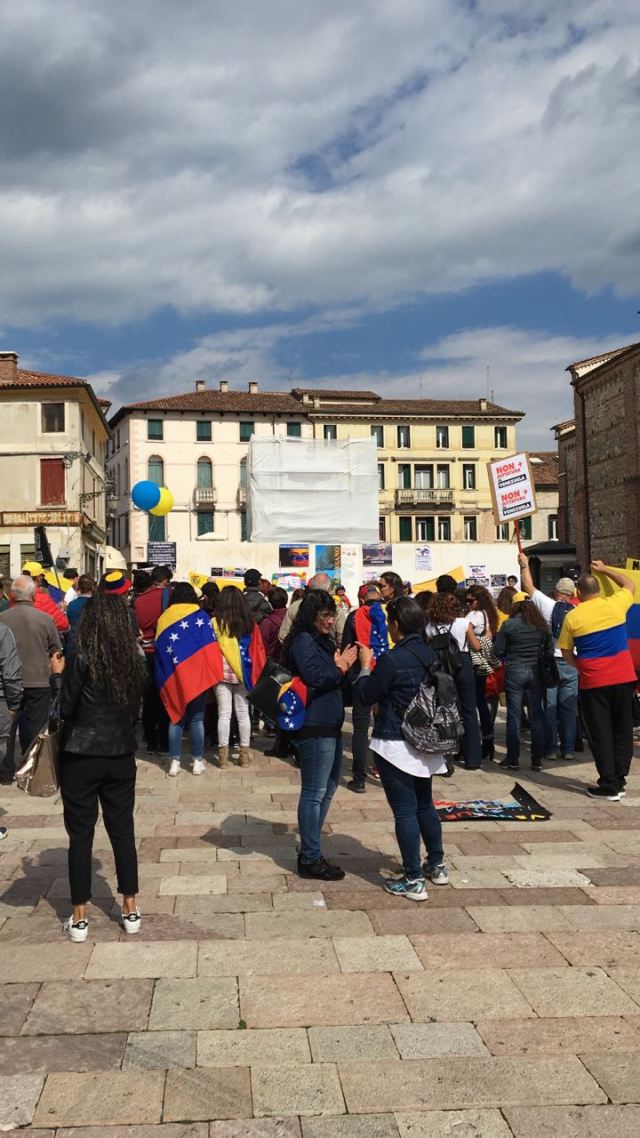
[188, 659]
[609, 587]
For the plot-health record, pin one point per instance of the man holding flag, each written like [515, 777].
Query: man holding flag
[597, 629]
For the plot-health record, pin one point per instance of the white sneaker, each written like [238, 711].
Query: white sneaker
[76, 931]
[174, 768]
[131, 921]
[199, 766]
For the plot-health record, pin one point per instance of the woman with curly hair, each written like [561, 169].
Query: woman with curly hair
[100, 697]
[520, 642]
[482, 615]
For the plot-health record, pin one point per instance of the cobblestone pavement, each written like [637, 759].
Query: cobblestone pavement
[257, 1005]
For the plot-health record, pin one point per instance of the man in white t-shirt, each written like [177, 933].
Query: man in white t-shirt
[562, 702]
[70, 578]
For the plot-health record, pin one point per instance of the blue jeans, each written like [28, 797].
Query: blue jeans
[520, 682]
[320, 765]
[561, 711]
[193, 719]
[415, 816]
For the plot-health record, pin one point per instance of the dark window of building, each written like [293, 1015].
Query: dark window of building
[406, 525]
[246, 431]
[155, 470]
[378, 435]
[425, 529]
[244, 526]
[157, 528]
[468, 476]
[553, 527]
[444, 529]
[404, 438]
[203, 431]
[155, 429]
[525, 528]
[404, 476]
[294, 430]
[380, 476]
[470, 529]
[442, 438]
[52, 482]
[382, 529]
[500, 438]
[468, 438]
[330, 431]
[205, 474]
[205, 522]
[52, 419]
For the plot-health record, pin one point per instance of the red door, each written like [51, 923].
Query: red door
[52, 488]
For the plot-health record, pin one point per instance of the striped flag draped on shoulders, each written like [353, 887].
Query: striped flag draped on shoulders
[370, 624]
[245, 655]
[188, 659]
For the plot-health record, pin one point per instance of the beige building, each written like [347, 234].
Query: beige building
[544, 524]
[53, 436]
[432, 460]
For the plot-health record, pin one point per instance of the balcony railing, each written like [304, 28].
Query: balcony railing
[419, 497]
[204, 496]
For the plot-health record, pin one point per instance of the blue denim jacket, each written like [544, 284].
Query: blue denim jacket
[395, 681]
[311, 658]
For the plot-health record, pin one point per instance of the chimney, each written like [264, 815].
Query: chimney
[253, 387]
[483, 404]
[8, 366]
[200, 385]
[306, 398]
[224, 386]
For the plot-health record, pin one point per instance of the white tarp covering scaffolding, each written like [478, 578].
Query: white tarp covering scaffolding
[313, 490]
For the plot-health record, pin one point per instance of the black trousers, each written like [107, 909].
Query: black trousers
[360, 741]
[155, 721]
[466, 687]
[86, 780]
[607, 715]
[34, 714]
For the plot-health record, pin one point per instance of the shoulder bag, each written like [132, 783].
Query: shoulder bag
[39, 772]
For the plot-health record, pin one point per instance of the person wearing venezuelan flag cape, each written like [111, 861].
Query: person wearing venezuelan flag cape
[243, 658]
[187, 662]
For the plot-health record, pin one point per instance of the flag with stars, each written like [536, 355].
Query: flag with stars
[188, 659]
[245, 655]
[370, 625]
[292, 705]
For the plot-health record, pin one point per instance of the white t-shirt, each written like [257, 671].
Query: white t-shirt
[70, 595]
[545, 605]
[405, 757]
[478, 622]
[458, 630]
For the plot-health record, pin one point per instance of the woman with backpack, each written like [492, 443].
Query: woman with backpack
[522, 642]
[445, 617]
[405, 772]
[482, 616]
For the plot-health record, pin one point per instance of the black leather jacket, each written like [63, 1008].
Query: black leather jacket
[92, 726]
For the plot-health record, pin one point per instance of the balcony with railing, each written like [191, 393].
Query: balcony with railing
[204, 496]
[424, 498]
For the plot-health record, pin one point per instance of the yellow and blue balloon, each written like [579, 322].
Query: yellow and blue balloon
[154, 499]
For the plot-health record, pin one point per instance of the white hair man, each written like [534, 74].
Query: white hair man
[37, 640]
[319, 581]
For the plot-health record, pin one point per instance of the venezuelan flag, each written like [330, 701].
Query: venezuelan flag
[245, 656]
[370, 624]
[292, 705]
[608, 588]
[53, 588]
[188, 659]
[458, 575]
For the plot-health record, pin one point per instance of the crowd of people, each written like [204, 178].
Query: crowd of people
[119, 656]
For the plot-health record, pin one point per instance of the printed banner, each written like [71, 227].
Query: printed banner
[512, 490]
[523, 808]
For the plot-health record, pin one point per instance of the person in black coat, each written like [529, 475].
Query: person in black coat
[310, 652]
[99, 698]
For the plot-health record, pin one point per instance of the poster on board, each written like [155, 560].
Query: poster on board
[378, 554]
[512, 489]
[289, 580]
[293, 556]
[424, 558]
[328, 558]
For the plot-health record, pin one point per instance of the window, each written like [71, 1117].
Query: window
[525, 528]
[294, 430]
[444, 529]
[425, 529]
[443, 476]
[155, 470]
[244, 526]
[404, 476]
[125, 540]
[424, 477]
[404, 438]
[157, 528]
[246, 431]
[205, 474]
[468, 438]
[203, 431]
[468, 476]
[244, 478]
[52, 418]
[378, 435]
[470, 529]
[330, 431]
[552, 527]
[500, 438]
[502, 532]
[205, 522]
[442, 438]
[380, 476]
[52, 482]
[382, 529]
[405, 529]
[155, 429]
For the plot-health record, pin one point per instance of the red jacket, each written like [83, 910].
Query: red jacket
[269, 628]
[148, 607]
[42, 601]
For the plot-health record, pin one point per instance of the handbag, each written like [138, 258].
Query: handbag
[264, 693]
[484, 661]
[548, 665]
[39, 773]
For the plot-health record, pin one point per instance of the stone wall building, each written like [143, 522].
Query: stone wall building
[565, 434]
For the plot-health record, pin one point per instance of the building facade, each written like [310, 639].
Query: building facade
[607, 456]
[433, 482]
[544, 524]
[53, 437]
[565, 434]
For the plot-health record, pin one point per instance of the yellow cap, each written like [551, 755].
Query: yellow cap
[34, 568]
[519, 597]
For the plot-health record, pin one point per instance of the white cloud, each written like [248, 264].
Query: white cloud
[253, 157]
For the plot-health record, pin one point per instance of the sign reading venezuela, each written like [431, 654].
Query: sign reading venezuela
[512, 488]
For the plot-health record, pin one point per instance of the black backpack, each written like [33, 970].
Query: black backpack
[447, 650]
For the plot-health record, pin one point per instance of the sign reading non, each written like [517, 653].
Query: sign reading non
[162, 553]
[512, 488]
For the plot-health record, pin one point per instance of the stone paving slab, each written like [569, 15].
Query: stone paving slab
[485, 950]
[264, 926]
[520, 919]
[306, 1090]
[40, 962]
[426, 1084]
[351, 1126]
[299, 1001]
[434, 1040]
[462, 994]
[338, 1044]
[256, 1128]
[166, 1130]
[19, 1095]
[574, 1121]
[247, 1048]
[267, 957]
[564, 1034]
[418, 919]
[206, 1093]
[576, 991]
[175, 958]
[160, 1049]
[376, 954]
[17, 1001]
[107, 1005]
[453, 1124]
[608, 949]
[101, 1099]
[194, 1004]
[61, 1053]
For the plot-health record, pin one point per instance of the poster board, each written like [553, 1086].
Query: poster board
[512, 490]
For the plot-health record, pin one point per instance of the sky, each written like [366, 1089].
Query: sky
[422, 197]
